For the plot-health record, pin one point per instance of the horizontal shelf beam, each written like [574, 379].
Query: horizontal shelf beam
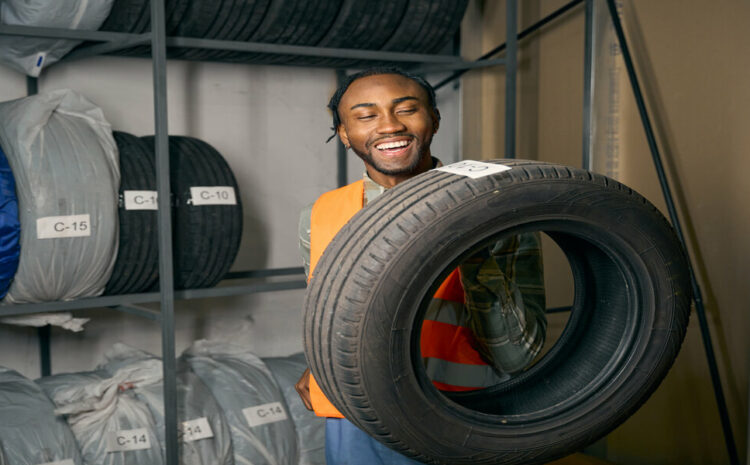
[301, 50]
[139, 311]
[264, 273]
[464, 65]
[225, 291]
[62, 33]
[108, 47]
[128, 300]
[120, 40]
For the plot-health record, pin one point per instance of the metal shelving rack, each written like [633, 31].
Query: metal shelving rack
[113, 41]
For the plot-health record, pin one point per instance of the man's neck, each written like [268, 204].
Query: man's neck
[388, 181]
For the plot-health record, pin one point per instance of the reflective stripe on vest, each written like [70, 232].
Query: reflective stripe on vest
[446, 343]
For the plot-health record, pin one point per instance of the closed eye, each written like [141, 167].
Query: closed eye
[365, 117]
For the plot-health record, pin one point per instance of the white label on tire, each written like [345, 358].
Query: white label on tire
[213, 195]
[194, 430]
[60, 462]
[141, 200]
[266, 413]
[473, 169]
[128, 440]
[52, 227]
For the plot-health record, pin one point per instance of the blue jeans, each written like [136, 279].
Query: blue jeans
[348, 445]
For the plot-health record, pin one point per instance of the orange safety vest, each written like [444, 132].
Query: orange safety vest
[445, 343]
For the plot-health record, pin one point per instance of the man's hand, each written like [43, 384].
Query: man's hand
[303, 389]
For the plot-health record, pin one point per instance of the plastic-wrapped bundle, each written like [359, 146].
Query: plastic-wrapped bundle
[203, 432]
[10, 228]
[111, 426]
[311, 429]
[262, 430]
[64, 160]
[30, 433]
[30, 55]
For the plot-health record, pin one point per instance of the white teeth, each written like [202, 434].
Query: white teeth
[392, 145]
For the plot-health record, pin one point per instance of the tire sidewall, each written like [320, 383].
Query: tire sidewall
[404, 405]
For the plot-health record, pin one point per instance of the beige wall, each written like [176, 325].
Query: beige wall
[693, 60]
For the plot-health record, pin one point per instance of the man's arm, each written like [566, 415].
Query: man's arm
[304, 237]
[505, 301]
[303, 385]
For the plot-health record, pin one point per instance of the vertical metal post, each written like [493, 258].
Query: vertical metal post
[511, 39]
[697, 294]
[588, 86]
[341, 168]
[166, 279]
[43, 333]
[32, 85]
[45, 359]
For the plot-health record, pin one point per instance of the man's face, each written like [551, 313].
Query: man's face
[387, 120]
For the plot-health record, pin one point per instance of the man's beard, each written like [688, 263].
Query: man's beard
[411, 168]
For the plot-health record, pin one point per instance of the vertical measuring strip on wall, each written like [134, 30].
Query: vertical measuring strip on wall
[606, 94]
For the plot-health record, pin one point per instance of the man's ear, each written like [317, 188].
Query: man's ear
[435, 120]
[343, 136]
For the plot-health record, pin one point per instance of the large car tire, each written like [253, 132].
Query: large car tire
[137, 266]
[365, 303]
[205, 239]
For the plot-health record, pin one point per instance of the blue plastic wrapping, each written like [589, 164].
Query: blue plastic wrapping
[10, 227]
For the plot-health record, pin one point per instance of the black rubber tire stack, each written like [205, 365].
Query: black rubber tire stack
[365, 305]
[360, 24]
[427, 26]
[417, 26]
[289, 22]
[137, 266]
[222, 20]
[205, 238]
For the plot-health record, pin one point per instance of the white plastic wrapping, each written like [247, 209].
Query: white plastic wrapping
[111, 426]
[29, 54]
[311, 429]
[64, 320]
[30, 433]
[262, 429]
[204, 432]
[64, 159]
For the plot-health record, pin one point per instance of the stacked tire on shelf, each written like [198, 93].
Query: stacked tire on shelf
[137, 265]
[63, 159]
[415, 26]
[206, 215]
[74, 241]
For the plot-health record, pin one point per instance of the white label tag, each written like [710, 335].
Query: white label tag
[60, 462]
[473, 169]
[127, 440]
[51, 227]
[213, 195]
[141, 200]
[193, 430]
[266, 413]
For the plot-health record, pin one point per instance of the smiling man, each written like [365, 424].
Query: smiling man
[486, 321]
[388, 120]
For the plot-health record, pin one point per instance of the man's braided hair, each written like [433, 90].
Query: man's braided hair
[333, 104]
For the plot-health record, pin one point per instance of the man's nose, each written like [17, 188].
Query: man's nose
[390, 123]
